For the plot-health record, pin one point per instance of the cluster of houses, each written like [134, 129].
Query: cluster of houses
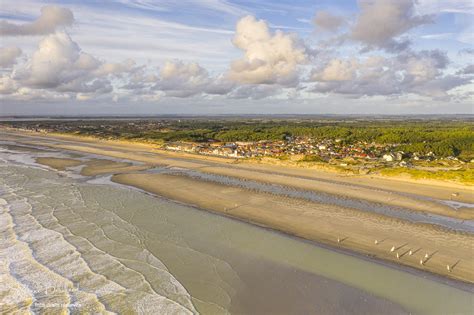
[325, 149]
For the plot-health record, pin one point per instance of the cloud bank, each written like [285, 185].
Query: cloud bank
[272, 64]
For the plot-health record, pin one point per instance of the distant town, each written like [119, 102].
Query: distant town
[325, 150]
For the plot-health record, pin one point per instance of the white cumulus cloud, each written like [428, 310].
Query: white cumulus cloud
[181, 79]
[51, 18]
[59, 65]
[268, 57]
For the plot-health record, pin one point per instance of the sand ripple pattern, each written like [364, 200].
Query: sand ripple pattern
[59, 255]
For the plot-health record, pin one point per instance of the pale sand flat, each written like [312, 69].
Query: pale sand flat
[356, 230]
[59, 164]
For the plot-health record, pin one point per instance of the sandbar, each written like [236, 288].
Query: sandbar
[327, 224]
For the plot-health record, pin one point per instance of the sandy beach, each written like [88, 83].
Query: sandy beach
[322, 223]
[359, 231]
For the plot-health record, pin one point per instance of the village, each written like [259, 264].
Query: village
[321, 150]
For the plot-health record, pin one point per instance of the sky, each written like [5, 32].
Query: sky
[139, 57]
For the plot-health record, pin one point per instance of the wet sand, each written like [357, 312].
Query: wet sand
[91, 167]
[22, 148]
[356, 230]
[382, 195]
[99, 167]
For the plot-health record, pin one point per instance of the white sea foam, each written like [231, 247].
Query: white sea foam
[101, 180]
[53, 242]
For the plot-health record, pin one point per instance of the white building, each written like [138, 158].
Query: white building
[388, 157]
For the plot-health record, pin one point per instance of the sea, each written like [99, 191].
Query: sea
[77, 244]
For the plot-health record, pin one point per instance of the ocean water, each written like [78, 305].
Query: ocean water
[59, 254]
[82, 245]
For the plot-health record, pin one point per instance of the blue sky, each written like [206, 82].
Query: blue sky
[246, 56]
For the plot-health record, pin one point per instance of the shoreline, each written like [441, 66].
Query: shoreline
[453, 282]
[294, 227]
[317, 223]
